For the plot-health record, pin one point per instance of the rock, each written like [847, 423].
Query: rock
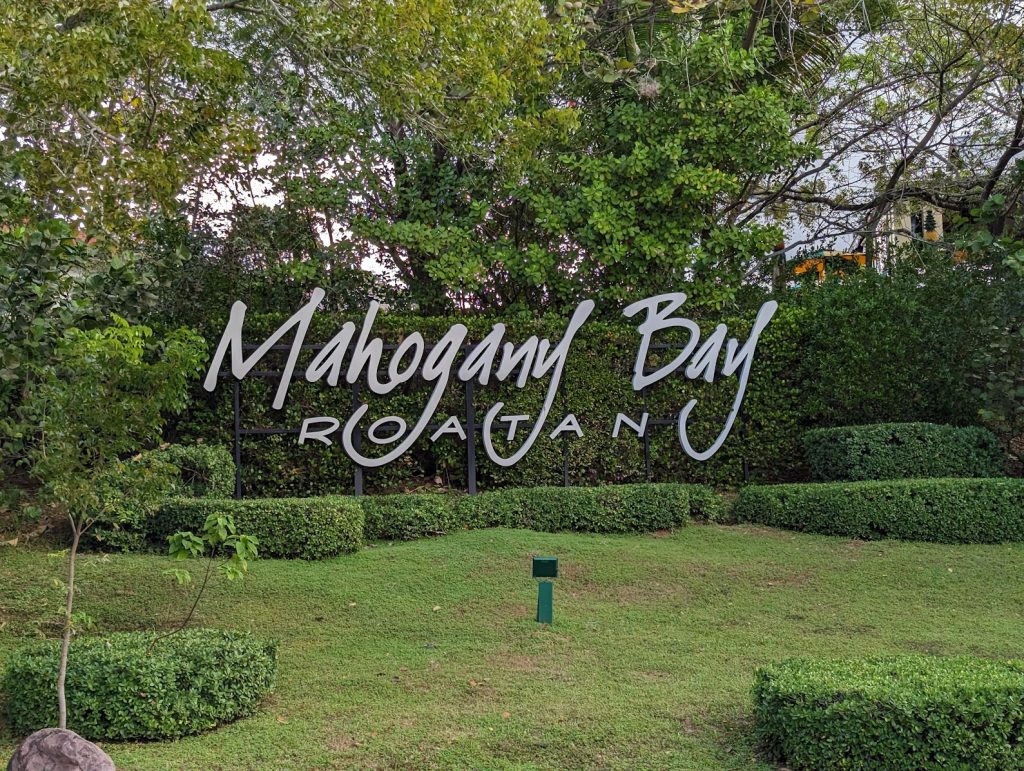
[54, 749]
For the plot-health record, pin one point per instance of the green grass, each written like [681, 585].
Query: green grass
[425, 654]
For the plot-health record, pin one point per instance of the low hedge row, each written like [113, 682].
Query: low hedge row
[902, 451]
[304, 528]
[905, 712]
[320, 528]
[633, 508]
[117, 689]
[941, 510]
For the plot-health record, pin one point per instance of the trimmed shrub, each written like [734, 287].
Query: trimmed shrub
[305, 528]
[707, 505]
[206, 471]
[192, 681]
[198, 471]
[902, 712]
[606, 509]
[902, 451]
[413, 515]
[953, 510]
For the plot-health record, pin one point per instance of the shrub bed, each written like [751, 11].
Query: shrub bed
[197, 471]
[605, 509]
[206, 471]
[305, 528]
[940, 510]
[902, 451]
[403, 517]
[192, 681]
[904, 712]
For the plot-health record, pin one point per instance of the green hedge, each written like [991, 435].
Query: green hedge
[206, 471]
[631, 508]
[597, 384]
[415, 515]
[197, 471]
[304, 528]
[902, 451]
[116, 689]
[955, 510]
[903, 712]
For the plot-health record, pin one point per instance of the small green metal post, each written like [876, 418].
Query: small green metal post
[545, 567]
[545, 601]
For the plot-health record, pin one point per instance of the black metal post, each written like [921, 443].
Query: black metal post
[646, 439]
[470, 439]
[237, 445]
[357, 442]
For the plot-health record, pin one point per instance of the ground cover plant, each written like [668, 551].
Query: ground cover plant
[424, 654]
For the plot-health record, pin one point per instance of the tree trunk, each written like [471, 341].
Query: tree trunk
[62, 707]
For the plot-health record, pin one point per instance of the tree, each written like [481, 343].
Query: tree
[102, 401]
[55, 279]
[924, 106]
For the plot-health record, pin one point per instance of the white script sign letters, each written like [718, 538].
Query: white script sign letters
[356, 355]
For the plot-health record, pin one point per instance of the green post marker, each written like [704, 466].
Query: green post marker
[545, 600]
[545, 567]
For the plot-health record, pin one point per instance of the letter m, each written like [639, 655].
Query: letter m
[241, 366]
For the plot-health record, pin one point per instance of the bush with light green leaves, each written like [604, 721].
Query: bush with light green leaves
[122, 687]
[901, 712]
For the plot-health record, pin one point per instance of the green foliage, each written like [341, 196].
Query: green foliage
[955, 510]
[898, 712]
[175, 470]
[99, 136]
[597, 385]
[897, 348]
[218, 539]
[415, 515]
[303, 528]
[131, 489]
[54, 279]
[641, 189]
[105, 398]
[205, 471]
[902, 450]
[631, 508]
[119, 689]
[319, 528]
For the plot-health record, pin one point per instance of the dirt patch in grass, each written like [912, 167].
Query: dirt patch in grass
[792, 579]
[514, 663]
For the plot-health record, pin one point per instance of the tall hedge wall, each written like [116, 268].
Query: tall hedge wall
[597, 385]
[838, 355]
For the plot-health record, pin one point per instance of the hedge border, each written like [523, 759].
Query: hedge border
[952, 510]
[303, 528]
[902, 451]
[898, 712]
[630, 508]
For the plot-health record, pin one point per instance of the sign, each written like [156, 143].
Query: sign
[356, 355]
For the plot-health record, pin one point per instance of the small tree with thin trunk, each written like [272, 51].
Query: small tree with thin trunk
[102, 401]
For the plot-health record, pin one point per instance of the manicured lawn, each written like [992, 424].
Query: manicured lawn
[425, 654]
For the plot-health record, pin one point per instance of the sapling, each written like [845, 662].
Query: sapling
[101, 401]
[222, 545]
